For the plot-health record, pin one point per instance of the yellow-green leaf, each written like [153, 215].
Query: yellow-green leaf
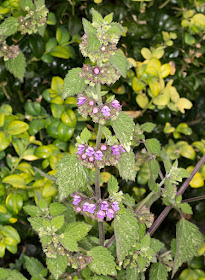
[184, 103]
[165, 70]
[17, 181]
[142, 100]
[146, 53]
[17, 127]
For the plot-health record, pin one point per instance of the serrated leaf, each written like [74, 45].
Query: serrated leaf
[124, 127]
[72, 83]
[148, 126]
[85, 135]
[33, 266]
[26, 3]
[156, 245]
[186, 208]
[71, 176]
[56, 208]
[17, 66]
[89, 29]
[32, 210]
[9, 26]
[68, 241]
[93, 43]
[96, 16]
[120, 62]
[153, 146]
[78, 230]
[112, 185]
[158, 272]
[36, 223]
[132, 274]
[57, 222]
[188, 241]
[8, 274]
[126, 233]
[154, 167]
[128, 200]
[108, 19]
[126, 166]
[57, 266]
[103, 262]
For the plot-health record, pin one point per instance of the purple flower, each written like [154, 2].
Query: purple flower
[95, 110]
[80, 148]
[91, 159]
[81, 100]
[105, 110]
[104, 205]
[115, 103]
[83, 156]
[78, 209]
[98, 155]
[115, 150]
[115, 206]
[110, 213]
[121, 148]
[96, 70]
[89, 151]
[86, 206]
[91, 208]
[91, 103]
[101, 214]
[103, 148]
[76, 199]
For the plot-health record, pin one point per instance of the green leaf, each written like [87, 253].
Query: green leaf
[112, 185]
[186, 208]
[156, 245]
[108, 19]
[62, 35]
[96, 16]
[126, 233]
[120, 62]
[71, 176]
[9, 26]
[61, 52]
[103, 262]
[17, 181]
[68, 241]
[17, 127]
[154, 167]
[8, 274]
[17, 66]
[127, 167]
[124, 127]
[72, 83]
[33, 266]
[93, 43]
[32, 210]
[57, 266]
[26, 3]
[36, 223]
[85, 135]
[188, 241]
[158, 272]
[89, 29]
[57, 222]
[78, 230]
[148, 127]
[132, 274]
[153, 146]
[128, 200]
[56, 208]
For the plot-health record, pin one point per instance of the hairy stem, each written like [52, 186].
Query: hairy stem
[185, 185]
[97, 174]
[193, 199]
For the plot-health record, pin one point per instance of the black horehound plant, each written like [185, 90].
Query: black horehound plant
[72, 233]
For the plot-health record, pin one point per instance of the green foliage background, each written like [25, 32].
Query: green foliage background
[37, 126]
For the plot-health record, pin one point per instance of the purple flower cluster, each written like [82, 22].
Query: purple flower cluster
[94, 74]
[99, 114]
[106, 209]
[99, 157]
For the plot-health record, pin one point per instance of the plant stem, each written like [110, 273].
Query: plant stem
[193, 199]
[185, 185]
[97, 174]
